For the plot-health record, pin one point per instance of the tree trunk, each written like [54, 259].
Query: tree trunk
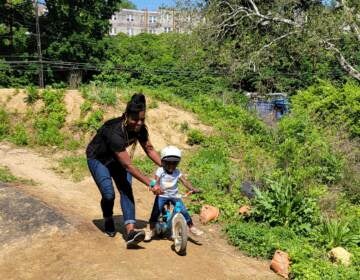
[75, 78]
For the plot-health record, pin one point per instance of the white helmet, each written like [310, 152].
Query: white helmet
[171, 153]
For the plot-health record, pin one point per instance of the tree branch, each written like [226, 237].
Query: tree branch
[353, 23]
[343, 62]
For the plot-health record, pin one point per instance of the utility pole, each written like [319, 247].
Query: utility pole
[38, 40]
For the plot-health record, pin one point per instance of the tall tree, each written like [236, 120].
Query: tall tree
[73, 30]
[280, 45]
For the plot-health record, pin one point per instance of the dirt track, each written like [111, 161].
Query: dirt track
[53, 230]
[57, 234]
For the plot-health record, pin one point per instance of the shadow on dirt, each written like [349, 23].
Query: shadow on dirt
[22, 215]
[119, 224]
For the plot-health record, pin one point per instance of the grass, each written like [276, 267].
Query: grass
[74, 167]
[7, 177]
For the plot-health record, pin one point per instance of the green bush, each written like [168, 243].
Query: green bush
[282, 203]
[85, 108]
[304, 152]
[19, 135]
[93, 121]
[336, 106]
[32, 95]
[195, 137]
[101, 94]
[4, 124]
[335, 232]
[51, 118]
[308, 260]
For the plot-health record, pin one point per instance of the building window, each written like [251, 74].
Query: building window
[130, 17]
[130, 32]
[167, 29]
[113, 17]
[152, 31]
[152, 19]
[167, 16]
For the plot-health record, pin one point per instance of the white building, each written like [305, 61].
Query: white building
[134, 22]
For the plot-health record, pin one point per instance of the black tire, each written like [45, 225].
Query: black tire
[179, 232]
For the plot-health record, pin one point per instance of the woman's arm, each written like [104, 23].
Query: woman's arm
[124, 158]
[150, 152]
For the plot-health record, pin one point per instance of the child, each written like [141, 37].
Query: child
[167, 177]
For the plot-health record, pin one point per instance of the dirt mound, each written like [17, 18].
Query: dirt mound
[164, 122]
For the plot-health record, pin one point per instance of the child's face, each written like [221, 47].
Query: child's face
[169, 166]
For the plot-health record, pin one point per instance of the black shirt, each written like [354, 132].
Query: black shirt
[113, 137]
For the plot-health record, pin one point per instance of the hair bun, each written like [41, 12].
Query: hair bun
[138, 98]
[136, 104]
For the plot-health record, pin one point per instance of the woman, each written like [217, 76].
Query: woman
[107, 158]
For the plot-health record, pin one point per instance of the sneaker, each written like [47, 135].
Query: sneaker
[134, 237]
[149, 234]
[195, 231]
[109, 227]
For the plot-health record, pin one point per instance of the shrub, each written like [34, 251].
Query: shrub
[93, 121]
[4, 124]
[51, 118]
[32, 95]
[335, 232]
[283, 204]
[19, 135]
[195, 137]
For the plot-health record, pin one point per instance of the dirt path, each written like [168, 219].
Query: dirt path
[70, 245]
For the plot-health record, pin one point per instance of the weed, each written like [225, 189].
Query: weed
[32, 95]
[74, 166]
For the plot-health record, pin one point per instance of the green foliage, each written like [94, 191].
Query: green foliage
[283, 204]
[195, 137]
[32, 95]
[19, 135]
[335, 106]
[213, 173]
[184, 126]
[145, 165]
[335, 232]
[75, 166]
[6, 176]
[93, 121]
[51, 118]
[308, 260]
[304, 153]
[102, 95]
[85, 108]
[4, 124]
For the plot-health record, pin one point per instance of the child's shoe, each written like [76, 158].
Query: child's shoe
[149, 234]
[195, 231]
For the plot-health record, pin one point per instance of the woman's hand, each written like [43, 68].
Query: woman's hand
[157, 190]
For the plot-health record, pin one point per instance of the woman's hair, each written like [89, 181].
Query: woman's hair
[136, 104]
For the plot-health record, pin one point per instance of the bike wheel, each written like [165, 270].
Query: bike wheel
[179, 231]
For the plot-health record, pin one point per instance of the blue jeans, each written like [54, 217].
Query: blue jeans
[102, 175]
[159, 205]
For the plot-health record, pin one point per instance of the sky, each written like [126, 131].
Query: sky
[151, 4]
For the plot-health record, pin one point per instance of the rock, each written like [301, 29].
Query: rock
[244, 210]
[280, 263]
[208, 213]
[340, 255]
